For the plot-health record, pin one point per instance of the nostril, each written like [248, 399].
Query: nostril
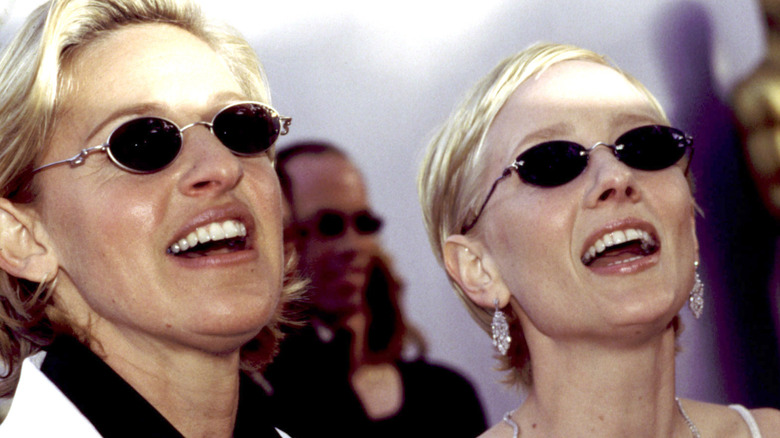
[607, 193]
[629, 191]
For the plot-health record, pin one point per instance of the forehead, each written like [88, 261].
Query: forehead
[574, 100]
[149, 63]
[326, 181]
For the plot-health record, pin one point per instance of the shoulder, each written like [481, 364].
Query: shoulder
[428, 370]
[442, 393]
[721, 420]
[423, 374]
[282, 434]
[768, 420]
[499, 430]
[35, 394]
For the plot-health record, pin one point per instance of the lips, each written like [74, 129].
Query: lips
[217, 237]
[620, 246]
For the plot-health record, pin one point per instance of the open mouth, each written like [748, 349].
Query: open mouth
[622, 246]
[212, 239]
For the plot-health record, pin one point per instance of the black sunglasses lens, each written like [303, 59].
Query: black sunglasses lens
[331, 225]
[145, 145]
[247, 128]
[366, 223]
[652, 147]
[552, 163]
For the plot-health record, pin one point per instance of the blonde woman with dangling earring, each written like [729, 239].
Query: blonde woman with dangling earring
[558, 199]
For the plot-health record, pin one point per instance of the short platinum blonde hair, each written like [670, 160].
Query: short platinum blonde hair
[450, 182]
[34, 79]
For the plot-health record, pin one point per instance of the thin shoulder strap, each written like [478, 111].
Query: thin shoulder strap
[748, 417]
[515, 427]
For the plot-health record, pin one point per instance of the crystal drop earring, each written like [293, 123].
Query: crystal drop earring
[696, 297]
[500, 329]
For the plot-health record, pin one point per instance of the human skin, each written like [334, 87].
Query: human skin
[598, 335]
[537, 235]
[171, 326]
[338, 266]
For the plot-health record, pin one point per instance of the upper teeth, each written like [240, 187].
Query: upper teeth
[209, 233]
[616, 238]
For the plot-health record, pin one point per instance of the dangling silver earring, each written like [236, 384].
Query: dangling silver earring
[500, 329]
[696, 297]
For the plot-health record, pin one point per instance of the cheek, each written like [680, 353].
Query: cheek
[316, 255]
[86, 223]
[264, 196]
[531, 237]
[686, 225]
[674, 201]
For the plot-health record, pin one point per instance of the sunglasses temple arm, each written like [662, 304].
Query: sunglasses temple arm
[285, 125]
[76, 160]
[690, 160]
[466, 228]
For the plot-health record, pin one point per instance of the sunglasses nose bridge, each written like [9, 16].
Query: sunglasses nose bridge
[208, 125]
[614, 148]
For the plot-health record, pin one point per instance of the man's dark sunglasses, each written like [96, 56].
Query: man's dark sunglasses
[331, 224]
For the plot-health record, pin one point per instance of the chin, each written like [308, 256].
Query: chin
[645, 322]
[224, 333]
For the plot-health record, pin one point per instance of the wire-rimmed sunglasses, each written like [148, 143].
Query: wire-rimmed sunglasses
[149, 144]
[555, 163]
[331, 224]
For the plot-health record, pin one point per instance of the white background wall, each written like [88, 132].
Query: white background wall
[376, 77]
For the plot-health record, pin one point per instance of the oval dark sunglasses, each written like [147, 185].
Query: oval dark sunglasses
[149, 144]
[555, 163]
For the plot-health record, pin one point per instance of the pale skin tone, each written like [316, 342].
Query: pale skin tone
[171, 327]
[339, 266]
[600, 338]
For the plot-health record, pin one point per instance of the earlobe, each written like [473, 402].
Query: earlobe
[473, 269]
[22, 253]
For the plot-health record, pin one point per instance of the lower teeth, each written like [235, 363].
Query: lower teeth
[619, 262]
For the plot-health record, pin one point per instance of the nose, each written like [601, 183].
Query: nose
[609, 179]
[355, 246]
[360, 242]
[208, 166]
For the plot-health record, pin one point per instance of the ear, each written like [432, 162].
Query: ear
[472, 267]
[23, 252]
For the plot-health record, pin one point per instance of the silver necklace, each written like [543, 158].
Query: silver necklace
[694, 430]
[688, 421]
[515, 428]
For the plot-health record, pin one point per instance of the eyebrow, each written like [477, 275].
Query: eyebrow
[562, 129]
[633, 117]
[548, 132]
[144, 108]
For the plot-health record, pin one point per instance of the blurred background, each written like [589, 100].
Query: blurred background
[377, 77]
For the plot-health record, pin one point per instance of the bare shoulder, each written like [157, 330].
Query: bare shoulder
[768, 420]
[499, 430]
[722, 421]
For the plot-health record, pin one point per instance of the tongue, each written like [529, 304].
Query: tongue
[215, 248]
[618, 254]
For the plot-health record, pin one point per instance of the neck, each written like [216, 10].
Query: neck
[357, 325]
[197, 392]
[597, 389]
[773, 48]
